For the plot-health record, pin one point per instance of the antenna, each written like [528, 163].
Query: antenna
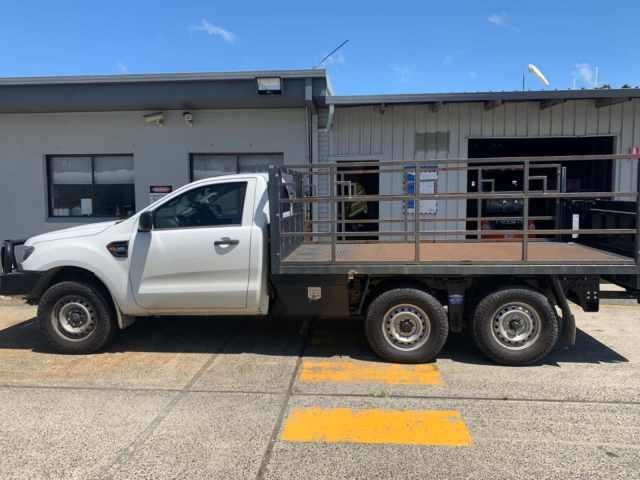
[331, 53]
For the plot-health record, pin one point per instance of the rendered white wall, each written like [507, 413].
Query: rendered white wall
[161, 154]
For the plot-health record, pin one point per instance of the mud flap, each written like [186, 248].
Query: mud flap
[568, 334]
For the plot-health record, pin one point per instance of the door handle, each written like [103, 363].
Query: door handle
[226, 241]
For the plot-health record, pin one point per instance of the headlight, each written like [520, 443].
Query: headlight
[26, 253]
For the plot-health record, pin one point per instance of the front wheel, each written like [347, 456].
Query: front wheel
[406, 325]
[515, 326]
[76, 318]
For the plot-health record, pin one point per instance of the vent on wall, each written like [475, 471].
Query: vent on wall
[432, 143]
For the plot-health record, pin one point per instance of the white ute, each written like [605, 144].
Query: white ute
[257, 244]
[198, 251]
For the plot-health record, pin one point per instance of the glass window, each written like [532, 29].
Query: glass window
[258, 163]
[208, 206]
[205, 165]
[91, 186]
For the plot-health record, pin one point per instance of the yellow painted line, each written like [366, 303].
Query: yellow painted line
[405, 427]
[343, 371]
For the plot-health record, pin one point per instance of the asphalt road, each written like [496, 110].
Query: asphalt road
[240, 398]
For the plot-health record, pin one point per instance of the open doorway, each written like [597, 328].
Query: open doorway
[580, 176]
[358, 216]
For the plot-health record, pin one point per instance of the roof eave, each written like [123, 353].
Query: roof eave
[484, 96]
[161, 77]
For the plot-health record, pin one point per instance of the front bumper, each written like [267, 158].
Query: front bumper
[14, 280]
[19, 283]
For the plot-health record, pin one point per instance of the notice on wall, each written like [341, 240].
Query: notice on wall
[428, 180]
[156, 192]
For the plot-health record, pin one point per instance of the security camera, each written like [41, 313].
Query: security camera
[155, 118]
[188, 118]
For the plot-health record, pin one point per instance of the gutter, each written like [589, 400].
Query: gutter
[623, 94]
[160, 77]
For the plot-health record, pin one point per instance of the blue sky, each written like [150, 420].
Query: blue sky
[401, 46]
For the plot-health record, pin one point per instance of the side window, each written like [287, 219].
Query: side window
[208, 206]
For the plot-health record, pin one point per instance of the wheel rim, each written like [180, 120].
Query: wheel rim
[74, 318]
[406, 327]
[516, 326]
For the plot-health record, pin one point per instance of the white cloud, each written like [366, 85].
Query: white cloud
[585, 72]
[502, 20]
[215, 30]
[122, 67]
[404, 73]
[499, 19]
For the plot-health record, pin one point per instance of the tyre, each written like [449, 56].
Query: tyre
[406, 325]
[76, 318]
[515, 326]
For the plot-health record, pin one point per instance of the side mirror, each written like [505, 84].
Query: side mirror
[145, 222]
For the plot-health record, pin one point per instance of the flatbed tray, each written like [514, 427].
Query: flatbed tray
[454, 252]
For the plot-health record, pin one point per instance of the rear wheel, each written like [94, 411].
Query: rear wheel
[406, 325]
[76, 318]
[515, 326]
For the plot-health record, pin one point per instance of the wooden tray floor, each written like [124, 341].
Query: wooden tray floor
[454, 252]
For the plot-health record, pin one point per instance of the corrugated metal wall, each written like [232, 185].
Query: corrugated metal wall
[396, 132]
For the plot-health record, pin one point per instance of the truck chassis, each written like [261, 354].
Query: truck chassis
[321, 270]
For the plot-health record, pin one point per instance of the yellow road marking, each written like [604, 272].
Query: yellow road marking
[342, 371]
[408, 427]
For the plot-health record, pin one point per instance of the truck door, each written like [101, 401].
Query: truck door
[196, 257]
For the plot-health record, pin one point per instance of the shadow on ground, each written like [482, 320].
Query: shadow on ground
[461, 348]
[265, 336]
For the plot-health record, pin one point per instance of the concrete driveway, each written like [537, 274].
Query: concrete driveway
[240, 398]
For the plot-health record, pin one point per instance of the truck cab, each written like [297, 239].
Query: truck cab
[200, 250]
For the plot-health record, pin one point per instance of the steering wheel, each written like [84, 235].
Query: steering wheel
[216, 210]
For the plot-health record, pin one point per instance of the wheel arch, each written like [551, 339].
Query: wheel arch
[80, 275]
[379, 286]
[481, 289]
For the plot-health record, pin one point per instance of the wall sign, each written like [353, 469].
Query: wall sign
[428, 180]
[156, 192]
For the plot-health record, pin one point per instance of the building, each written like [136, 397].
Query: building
[490, 124]
[80, 149]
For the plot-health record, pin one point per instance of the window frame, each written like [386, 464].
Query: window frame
[92, 157]
[247, 186]
[192, 156]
